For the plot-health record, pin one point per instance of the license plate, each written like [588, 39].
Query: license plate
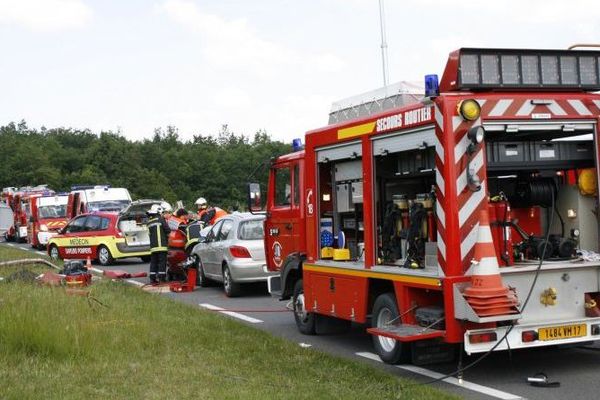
[562, 332]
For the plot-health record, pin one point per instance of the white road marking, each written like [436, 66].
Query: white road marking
[451, 380]
[11, 244]
[96, 270]
[134, 282]
[231, 313]
[41, 252]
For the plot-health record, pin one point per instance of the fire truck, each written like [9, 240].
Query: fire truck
[88, 198]
[467, 218]
[47, 215]
[19, 200]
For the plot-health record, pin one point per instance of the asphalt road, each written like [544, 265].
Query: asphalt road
[498, 376]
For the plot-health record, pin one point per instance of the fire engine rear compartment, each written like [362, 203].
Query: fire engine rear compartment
[525, 166]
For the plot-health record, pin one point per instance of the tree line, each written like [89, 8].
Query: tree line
[162, 167]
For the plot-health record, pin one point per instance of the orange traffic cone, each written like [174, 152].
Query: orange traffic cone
[88, 263]
[487, 295]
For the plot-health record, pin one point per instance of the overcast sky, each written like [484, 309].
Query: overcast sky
[263, 64]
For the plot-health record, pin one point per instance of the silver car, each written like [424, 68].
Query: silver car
[233, 252]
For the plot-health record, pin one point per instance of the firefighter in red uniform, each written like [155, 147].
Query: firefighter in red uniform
[208, 215]
[159, 232]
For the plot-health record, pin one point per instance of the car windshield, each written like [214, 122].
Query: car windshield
[108, 205]
[252, 230]
[54, 211]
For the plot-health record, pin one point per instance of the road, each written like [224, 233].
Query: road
[499, 376]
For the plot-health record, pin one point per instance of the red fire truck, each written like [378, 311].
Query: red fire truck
[19, 200]
[88, 198]
[47, 215]
[379, 219]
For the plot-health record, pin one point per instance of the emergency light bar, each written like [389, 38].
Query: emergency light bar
[528, 69]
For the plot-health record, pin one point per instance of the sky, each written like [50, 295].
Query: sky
[136, 65]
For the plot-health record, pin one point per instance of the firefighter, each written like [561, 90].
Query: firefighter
[159, 231]
[208, 215]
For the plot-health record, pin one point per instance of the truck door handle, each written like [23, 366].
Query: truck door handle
[288, 226]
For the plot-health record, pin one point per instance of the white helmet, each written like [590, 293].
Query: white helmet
[156, 209]
[201, 201]
[166, 206]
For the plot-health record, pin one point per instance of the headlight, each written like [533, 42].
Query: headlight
[43, 228]
[469, 109]
[476, 134]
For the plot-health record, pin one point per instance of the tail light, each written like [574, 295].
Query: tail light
[239, 252]
[483, 337]
[529, 336]
[118, 233]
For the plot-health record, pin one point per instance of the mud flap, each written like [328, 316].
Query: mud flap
[426, 352]
[330, 326]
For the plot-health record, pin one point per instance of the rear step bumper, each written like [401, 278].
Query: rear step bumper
[407, 333]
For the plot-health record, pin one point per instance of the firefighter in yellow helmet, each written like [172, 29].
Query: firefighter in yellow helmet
[208, 215]
[159, 233]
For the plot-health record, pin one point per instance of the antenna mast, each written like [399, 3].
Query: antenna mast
[383, 43]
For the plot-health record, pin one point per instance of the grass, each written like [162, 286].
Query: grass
[141, 345]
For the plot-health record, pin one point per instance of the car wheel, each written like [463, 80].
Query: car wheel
[54, 254]
[305, 321]
[104, 256]
[232, 288]
[201, 279]
[385, 313]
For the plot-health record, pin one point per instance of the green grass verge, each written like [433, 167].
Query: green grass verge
[141, 345]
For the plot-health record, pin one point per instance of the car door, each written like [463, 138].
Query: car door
[208, 255]
[73, 237]
[221, 245]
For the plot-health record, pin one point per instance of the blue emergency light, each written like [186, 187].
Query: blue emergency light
[297, 144]
[432, 86]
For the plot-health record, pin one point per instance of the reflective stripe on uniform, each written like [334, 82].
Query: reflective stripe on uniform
[157, 249]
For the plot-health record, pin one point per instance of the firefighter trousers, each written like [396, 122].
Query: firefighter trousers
[158, 266]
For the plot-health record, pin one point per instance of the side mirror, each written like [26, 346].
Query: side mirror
[62, 230]
[254, 198]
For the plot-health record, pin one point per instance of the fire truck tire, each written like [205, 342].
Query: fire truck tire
[54, 254]
[305, 321]
[232, 289]
[389, 350]
[104, 256]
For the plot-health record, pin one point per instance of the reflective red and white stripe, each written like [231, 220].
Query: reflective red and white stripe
[441, 186]
[530, 107]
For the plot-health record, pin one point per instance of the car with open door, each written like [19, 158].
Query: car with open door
[106, 236]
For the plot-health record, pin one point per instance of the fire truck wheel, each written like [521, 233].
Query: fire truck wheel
[232, 289]
[305, 321]
[54, 252]
[104, 256]
[385, 312]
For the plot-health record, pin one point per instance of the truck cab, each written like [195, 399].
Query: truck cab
[84, 199]
[48, 214]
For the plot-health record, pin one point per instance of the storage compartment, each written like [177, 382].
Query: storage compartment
[546, 151]
[348, 170]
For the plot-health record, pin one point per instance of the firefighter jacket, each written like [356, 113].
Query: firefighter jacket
[211, 215]
[192, 234]
[159, 230]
